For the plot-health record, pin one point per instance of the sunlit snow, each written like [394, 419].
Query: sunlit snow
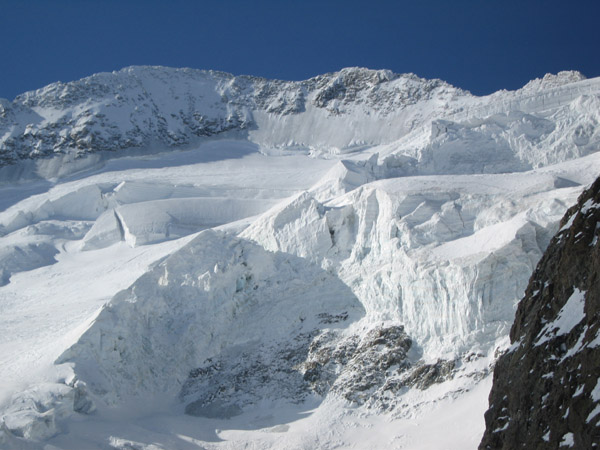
[404, 202]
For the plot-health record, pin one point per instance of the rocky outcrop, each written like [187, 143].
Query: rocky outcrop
[320, 362]
[368, 368]
[356, 368]
[546, 391]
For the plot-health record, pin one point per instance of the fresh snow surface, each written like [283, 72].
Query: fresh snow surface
[568, 317]
[567, 440]
[596, 391]
[407, 204]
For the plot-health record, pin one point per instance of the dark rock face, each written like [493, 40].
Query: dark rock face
[353, 367]
[371, 370]
[546, 391]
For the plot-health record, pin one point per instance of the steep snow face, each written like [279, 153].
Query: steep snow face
[215, 294]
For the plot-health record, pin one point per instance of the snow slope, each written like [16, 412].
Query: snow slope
[214, 261]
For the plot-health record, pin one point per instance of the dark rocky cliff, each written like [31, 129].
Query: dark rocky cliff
[546, 391]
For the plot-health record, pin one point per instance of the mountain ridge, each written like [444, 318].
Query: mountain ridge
[72, 117]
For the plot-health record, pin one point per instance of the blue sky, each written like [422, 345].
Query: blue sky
[481, 46]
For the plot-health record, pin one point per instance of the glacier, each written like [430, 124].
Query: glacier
[195, 260]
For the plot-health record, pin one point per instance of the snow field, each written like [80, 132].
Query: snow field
[394, 206]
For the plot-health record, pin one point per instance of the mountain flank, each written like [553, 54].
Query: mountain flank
[546, 391]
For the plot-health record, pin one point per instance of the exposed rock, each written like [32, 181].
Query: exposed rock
[245, 375]
[371, 370]
[352, 367]
[423, 376]
[546, 391]
[368, 370]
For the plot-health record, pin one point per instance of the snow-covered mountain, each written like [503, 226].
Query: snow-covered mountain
[149, 107]
[195, 260]
[156, 108]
